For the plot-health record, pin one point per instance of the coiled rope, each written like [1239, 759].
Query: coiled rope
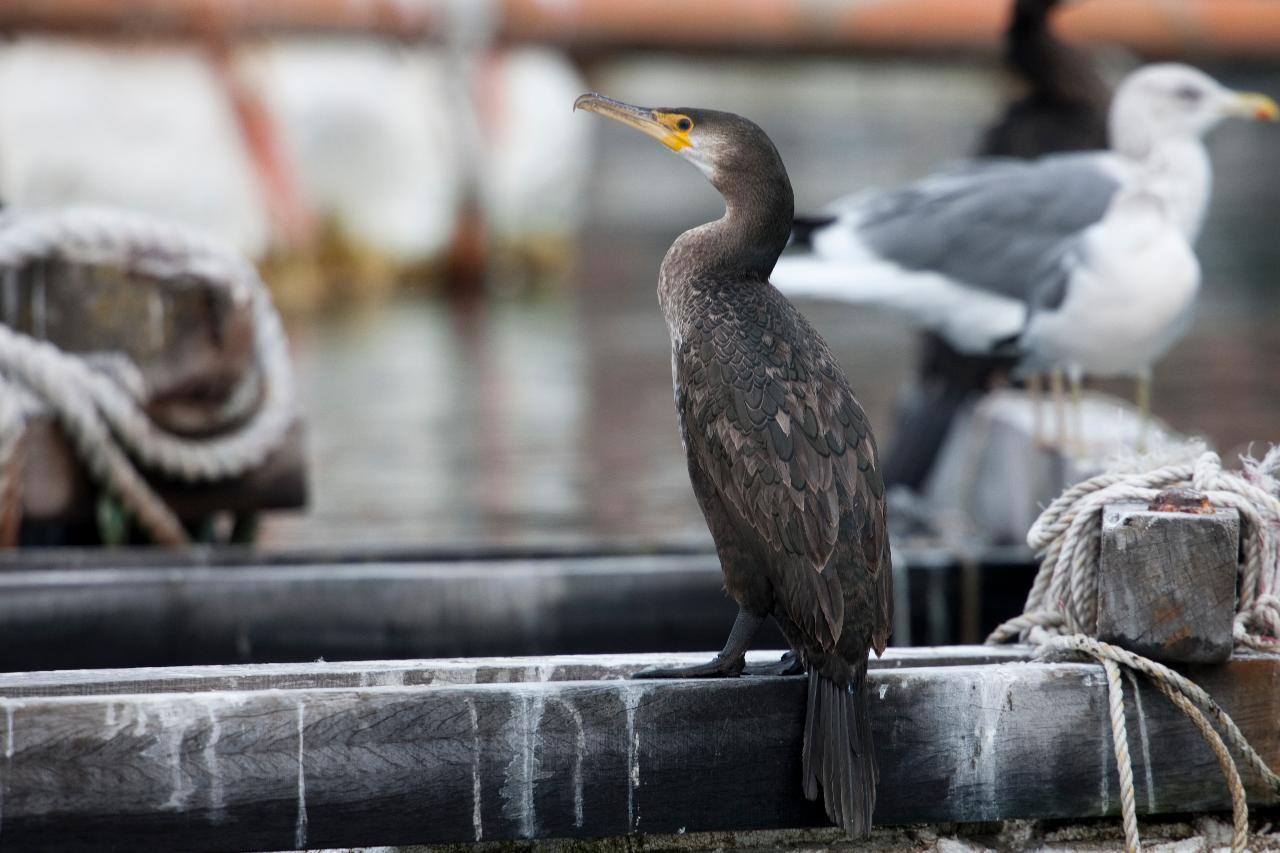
[1062, 606]
[104, 423]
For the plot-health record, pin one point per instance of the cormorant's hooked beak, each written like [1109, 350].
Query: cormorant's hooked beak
[1252, 105]
[642, 119]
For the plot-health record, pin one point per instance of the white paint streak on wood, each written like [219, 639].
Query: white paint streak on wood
[977, 777]
[217, 799]
[8, 729]
[580, 750]
[175, 720]
[632, 693]
[300, 830]
[477, 819]
[524, 770]
[1146, 742]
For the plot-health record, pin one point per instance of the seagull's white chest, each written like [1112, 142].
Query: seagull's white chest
[1126, 304]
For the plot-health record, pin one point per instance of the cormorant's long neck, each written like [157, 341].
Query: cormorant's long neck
[743, 245]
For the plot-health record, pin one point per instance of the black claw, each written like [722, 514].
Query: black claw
[788, 664]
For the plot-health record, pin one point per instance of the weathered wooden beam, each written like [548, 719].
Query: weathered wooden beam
[408, 673]
[181, 612]
[276, 769]
[71, 619]
[1167, 581]
[57, 488]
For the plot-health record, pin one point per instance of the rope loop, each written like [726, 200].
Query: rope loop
[1060, 614]
[103, 421]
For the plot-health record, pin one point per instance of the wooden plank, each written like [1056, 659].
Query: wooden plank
[278, 769]
[1167, 582]
[177, 614]
[57, 488]
[407, 673]
[71, 619]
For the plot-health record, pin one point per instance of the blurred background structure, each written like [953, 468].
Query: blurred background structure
[468, 281]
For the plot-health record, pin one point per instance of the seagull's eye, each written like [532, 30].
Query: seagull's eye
[684, 124]
[1189, 94]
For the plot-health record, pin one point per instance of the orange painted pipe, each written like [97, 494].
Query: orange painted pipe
[1152, 27]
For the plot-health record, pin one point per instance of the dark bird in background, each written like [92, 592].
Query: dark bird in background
[1063, 107]
[780, 453]
[1064, 102]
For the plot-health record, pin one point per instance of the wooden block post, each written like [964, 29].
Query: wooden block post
[1167, 580]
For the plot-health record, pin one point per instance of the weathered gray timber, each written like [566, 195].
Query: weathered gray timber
[56, 612]
[1167, 582]
[410, 673]
[55, 487]
[442, 762]
[51, 619]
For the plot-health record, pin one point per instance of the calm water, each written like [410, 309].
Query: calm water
[549, 418]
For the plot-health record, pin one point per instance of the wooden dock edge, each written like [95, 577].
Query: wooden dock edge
[294, 763]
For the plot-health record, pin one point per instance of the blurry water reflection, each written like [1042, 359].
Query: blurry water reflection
[550, 419]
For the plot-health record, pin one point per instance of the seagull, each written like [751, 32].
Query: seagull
[1061, 105]
[1079, 261]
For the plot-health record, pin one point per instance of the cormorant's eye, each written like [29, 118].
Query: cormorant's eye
[1188, 94]
[684, 125]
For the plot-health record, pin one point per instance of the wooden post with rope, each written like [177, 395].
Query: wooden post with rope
[1167, 578]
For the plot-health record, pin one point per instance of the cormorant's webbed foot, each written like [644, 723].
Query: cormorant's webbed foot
[717, 667]
[788, 664]
[728, 664]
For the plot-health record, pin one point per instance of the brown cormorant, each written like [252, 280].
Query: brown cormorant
[780, 453]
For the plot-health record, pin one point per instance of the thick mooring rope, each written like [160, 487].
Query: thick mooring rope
[104, 423]
[1062, 606]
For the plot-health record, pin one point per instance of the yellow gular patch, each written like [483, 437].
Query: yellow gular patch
[678, 127]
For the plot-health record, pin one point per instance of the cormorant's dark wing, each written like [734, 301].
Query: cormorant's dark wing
[770, 418]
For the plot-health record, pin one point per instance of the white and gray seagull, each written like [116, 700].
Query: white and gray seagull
[1081, 261]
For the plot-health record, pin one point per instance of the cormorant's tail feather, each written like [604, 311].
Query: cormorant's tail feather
[838, 756]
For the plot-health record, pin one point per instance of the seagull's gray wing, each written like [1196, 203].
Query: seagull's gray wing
[996, 225]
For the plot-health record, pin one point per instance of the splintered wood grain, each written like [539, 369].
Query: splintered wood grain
[276, 769]
[1167, 582]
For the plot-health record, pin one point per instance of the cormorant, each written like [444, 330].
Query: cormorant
[780, 453]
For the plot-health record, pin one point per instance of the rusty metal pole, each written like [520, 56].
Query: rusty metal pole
[1151, 27]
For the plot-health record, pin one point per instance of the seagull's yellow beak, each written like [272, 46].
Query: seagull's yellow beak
[1253, 105]
[671, 129]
